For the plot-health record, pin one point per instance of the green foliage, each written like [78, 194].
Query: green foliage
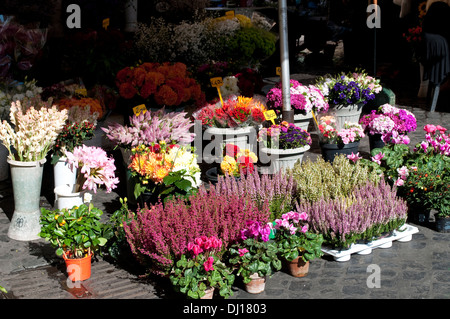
[77, 230]
[308, 245]
[322, 179]
[189, 277]
[261, 257]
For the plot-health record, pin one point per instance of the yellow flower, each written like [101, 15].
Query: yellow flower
[228, 165]
[247, 153]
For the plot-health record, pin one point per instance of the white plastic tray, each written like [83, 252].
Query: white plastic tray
[404, 234]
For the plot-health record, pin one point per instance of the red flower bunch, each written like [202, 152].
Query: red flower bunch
[414, 35]
[237, 160]
[234, 112]
[168, 84]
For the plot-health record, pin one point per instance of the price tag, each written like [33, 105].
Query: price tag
[81, 92]
[140, 108]
[278, 71]
[105, 23]
[229, 14]
[270, 115]
[216, 82]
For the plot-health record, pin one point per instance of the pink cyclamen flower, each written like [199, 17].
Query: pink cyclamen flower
[354, 157]
[377, 158]
[243, 251]
[304, 229]
[430, 128]
[209, 264]
[441, 129]
[303, 216]
[399, 182]
[403, 172]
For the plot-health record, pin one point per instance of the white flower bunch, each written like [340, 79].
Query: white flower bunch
[34, 133]
[15, 91]
[230, 87]
[185, 159]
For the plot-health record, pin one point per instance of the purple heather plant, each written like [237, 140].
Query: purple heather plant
[370, 211]
[159, 235]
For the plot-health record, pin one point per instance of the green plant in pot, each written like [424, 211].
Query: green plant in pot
[295, 244]
[201, 270]
[76, 233]
[254, 254]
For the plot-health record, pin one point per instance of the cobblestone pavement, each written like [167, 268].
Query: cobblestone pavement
[417, 269]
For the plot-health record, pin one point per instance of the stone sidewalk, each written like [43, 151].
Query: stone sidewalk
[418, 269]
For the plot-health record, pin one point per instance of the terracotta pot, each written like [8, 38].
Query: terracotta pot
[256, 285]
[297, 267]
[209, 292]
[78, 269]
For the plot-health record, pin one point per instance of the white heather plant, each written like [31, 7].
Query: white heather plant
[34, 132]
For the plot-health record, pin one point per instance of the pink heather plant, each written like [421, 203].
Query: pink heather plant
[95, 168]
[371, 211]
[161, 234]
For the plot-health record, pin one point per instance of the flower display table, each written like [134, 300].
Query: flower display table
[403, 235]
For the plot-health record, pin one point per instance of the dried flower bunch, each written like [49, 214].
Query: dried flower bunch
[321, 179]
[34, 133]
[13, 91]
[168, 84]
[236, 111]
[304, 99]
[368, 212]
[150, 128]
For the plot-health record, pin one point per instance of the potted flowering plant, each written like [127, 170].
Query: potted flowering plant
[304, 99]
[346, 93]
[283, 144]
[388, 124]
[338, 141]
[76, 233]
[164, 170]
[296, 245]
[254, 255]
[237, 160]
[200, 270]
[94, 169]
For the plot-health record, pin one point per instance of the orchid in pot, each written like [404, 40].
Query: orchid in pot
[254, 256]
[200, 270]
[296, 245]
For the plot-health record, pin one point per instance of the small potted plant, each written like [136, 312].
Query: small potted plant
[254, 256]
[296, 245]
[76, 233]
[283, 144]
[198, 272]
[338, 141]
[388, 124]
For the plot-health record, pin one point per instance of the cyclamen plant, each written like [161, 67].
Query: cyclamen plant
[293, 238]
[201, 268]
[254, 253]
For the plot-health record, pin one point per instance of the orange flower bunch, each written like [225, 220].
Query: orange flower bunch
[94, 104]
[169, 84]
[150, 163]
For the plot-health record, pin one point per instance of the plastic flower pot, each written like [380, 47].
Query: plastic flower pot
[329, 151]
[78, 269]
